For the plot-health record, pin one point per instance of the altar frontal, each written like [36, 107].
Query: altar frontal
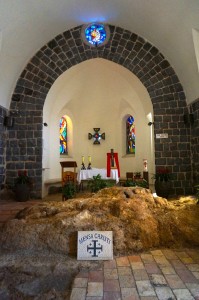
[95, 245]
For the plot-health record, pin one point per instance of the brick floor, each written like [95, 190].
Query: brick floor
[156, 275]
[9, 209]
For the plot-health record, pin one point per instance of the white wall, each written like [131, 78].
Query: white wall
[97, 93]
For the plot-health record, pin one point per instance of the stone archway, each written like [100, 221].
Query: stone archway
[125, 48]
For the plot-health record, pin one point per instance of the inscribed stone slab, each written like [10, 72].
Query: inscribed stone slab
[95, 245]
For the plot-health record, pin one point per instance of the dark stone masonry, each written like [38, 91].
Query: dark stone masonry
[24, 144]
[3, 135]
[194, 109]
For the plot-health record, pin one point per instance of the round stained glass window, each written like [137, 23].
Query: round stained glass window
[95, 34]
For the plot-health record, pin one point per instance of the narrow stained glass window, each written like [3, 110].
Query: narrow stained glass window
[130, 135]
[63, 135]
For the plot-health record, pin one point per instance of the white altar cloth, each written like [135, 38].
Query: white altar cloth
[88, 174]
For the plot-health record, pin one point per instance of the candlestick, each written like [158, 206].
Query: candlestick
[89, 163]
[145, 165]
[82, 159]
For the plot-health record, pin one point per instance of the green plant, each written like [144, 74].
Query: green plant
[141, 183]
[23, 178]
[97, 183]
[162, 174]
[69, 190]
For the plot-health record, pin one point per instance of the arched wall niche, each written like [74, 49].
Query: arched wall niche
[100, 100]
[126, 49]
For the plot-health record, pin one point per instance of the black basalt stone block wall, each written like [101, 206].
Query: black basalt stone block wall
[194, 109]
[3, 136]
[24, 148]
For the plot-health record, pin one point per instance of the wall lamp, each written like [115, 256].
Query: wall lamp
[151, 123]
[45, 124]
[8, 121]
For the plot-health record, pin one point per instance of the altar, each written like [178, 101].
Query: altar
[88, 174]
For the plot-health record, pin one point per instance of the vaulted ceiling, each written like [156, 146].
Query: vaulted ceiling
[172, 26]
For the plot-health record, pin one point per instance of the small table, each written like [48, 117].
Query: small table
[88, 174]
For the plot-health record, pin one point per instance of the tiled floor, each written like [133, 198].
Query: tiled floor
[155, 275]
[8, 209]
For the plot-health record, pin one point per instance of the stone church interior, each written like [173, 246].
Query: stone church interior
[103, 89]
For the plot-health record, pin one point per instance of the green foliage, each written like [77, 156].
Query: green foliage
[69, 190]
[97, 183]
[141, 183]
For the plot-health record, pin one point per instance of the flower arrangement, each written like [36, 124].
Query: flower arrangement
[23, 178]
[163, 174]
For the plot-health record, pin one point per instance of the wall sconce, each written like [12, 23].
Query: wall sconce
[8, 121]
[45, 124]
[151, 123]
[15, 112]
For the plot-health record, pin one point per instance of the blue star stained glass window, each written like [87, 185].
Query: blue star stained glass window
[96, 34]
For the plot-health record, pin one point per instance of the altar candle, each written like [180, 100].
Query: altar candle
[82, 159]
[89, 159]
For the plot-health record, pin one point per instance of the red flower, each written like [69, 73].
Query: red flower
[163, 174]
[163, 171]
[23, 178]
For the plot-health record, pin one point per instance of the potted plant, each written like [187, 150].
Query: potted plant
[163, 178]
[68, 190]
[22, 186]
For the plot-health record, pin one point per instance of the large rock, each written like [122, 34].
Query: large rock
[138, 221]
[39, 276]
[36, 247]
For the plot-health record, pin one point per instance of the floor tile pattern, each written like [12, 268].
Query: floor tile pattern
[157, 275]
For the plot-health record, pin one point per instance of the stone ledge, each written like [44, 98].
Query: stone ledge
[51, 181]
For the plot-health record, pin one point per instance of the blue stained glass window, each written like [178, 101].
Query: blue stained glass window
[130, 135]
[63, 136]
[95, 34]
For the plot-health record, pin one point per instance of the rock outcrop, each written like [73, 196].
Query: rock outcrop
[38, 247]
[138, 221]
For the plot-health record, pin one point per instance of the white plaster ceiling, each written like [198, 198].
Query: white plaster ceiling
[26, 25]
